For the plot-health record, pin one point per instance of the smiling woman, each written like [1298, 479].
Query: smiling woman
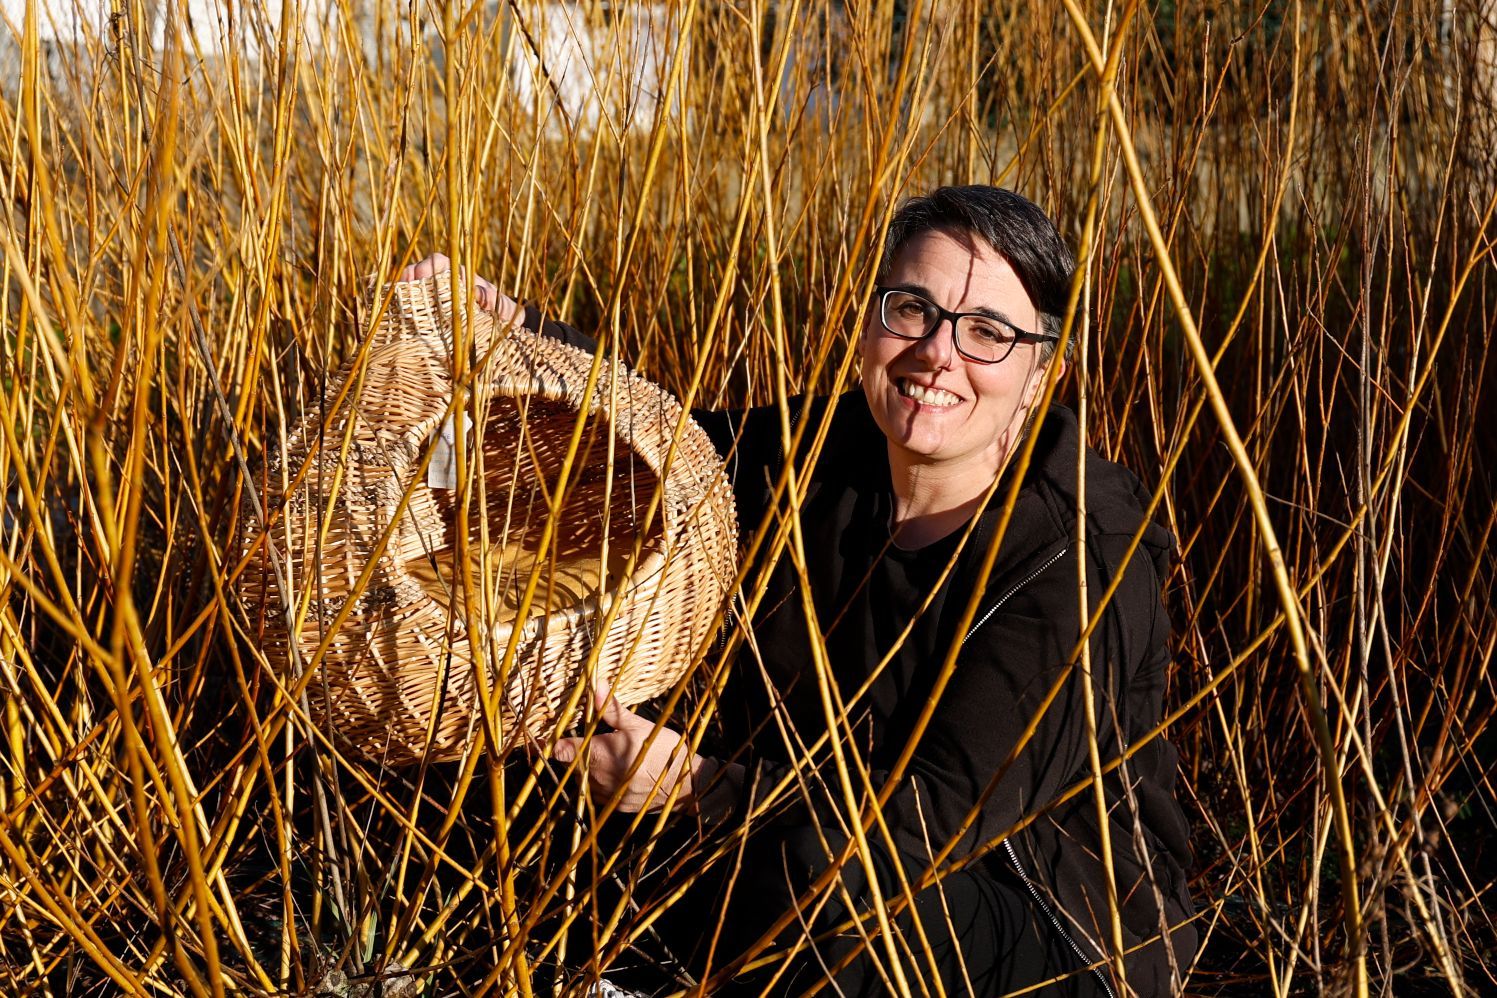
[973, 853]
[952, 407]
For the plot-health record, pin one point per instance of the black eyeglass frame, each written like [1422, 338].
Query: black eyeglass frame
[1020, 335]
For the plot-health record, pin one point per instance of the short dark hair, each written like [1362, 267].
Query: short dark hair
[1011, 224]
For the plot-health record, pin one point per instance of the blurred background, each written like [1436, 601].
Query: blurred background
[195, 193]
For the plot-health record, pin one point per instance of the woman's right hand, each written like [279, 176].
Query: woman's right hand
[609, 758]
[505, 308]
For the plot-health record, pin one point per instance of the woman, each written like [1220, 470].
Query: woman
[987, 765]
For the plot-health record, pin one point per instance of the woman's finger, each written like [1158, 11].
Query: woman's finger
[486, 294]
[566, 749]
[426, 267]
[614, 714]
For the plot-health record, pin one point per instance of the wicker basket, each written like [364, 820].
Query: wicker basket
[398, 681]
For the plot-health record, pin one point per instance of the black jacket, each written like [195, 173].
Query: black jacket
[1024, 632]
[1026, 627]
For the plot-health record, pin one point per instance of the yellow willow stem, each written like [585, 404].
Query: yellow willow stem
[1288, 599]
[69, 918]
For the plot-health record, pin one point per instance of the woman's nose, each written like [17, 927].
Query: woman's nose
[938, 348]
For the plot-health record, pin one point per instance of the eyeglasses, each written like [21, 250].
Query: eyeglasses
[979, 337]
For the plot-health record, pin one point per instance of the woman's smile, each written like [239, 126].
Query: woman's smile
[926, 396]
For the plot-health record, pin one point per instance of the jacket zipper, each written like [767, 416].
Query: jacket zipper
[1017, 586]
[1013, 858]
[794, 415]
[1008, 846]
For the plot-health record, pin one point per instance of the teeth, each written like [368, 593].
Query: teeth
[926, 396]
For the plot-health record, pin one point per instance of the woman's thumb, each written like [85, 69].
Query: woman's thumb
[614, 714]
[565, 750]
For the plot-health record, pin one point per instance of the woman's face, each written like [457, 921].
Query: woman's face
[938, 408]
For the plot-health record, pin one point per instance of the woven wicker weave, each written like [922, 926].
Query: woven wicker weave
[398, 681]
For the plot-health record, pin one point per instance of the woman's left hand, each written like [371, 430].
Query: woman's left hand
[505, 308]
[610, 756]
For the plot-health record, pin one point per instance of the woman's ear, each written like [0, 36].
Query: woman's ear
[1036, 386]
[865, 329]
[1056, 361]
